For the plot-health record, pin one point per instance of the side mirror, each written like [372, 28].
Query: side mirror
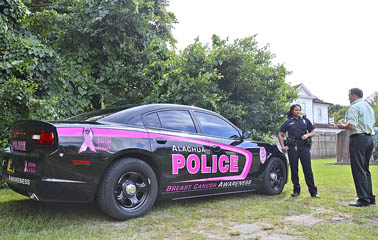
[246, 134]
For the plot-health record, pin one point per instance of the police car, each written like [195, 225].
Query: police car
[127, 158]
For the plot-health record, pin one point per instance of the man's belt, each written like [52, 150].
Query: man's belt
[360, 134]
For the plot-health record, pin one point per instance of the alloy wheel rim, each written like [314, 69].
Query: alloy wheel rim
[276, 177]
[131, 190]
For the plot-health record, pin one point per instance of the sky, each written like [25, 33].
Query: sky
[330, 46]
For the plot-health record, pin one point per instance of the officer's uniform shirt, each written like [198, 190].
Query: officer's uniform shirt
[297, 128]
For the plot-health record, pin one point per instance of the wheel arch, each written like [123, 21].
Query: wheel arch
[144, 156]
[284, 160]
[278, 155]
[263, 188]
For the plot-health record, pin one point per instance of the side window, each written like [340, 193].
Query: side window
[215, 126]
[177, 120]
[152, 120]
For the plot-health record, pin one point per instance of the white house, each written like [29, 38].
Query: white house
[315, 109]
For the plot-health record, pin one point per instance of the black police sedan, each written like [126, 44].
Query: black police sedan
[127, 158]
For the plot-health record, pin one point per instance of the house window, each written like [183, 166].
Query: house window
[319, 114]
[303, 105]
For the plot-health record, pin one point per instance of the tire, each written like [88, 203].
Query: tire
[274, 177]
[128, 189]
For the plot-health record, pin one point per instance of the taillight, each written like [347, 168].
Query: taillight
[46, 138]
[18, 134]
[43, 138]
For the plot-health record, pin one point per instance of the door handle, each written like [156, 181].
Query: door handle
[161, 140]
[215, 148]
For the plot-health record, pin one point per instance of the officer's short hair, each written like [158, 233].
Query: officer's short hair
[356, 91]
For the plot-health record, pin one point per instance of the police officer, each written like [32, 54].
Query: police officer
[298, 144]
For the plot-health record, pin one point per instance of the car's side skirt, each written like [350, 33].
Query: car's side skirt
[213, 194]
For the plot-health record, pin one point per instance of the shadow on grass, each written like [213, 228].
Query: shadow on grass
[26, 208]
[16, 210]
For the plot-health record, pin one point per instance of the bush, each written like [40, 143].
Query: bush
[2, 184]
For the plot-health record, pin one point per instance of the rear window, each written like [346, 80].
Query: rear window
[152, 120]
[114, 115]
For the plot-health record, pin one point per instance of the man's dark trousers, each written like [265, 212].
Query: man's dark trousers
[360, 150]
[302, 153]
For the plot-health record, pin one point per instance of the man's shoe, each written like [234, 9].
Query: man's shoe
[315, 195]
[359, 203]
[372, 201]
[295, 194]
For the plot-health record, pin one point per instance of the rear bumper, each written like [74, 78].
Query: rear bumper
[35, 180]
[49, 190]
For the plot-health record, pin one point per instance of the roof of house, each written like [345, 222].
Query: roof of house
[317, 100]
[309, 94]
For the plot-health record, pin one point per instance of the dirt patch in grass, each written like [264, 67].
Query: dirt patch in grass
[258, 231]
[249, 231]
[339, 220]
[163, 225]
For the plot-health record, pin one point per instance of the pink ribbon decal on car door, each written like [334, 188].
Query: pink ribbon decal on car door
[88, 137]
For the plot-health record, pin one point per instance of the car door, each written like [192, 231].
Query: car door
[234, 155]
[177, 148]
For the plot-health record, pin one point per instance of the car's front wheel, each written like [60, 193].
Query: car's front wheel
[274, 177]
[128, 189]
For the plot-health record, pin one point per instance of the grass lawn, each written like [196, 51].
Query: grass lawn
[237, 216]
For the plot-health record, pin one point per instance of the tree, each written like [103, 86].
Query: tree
[26, 70]
[105, 47]
[237, 80]
[187, 78]
[25, 64]
[253, 83]
[338, 112]
[373, 101]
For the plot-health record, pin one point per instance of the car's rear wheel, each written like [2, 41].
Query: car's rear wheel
[128, 189]
[274, 177]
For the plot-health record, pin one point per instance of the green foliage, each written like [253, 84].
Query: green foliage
[188, 78]
[335, 108]
[373, 101]
[253, 83]
[26, 71]
[338, 112]
[238, 80]
[105, 47]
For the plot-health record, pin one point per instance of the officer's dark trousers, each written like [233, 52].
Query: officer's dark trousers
[304, 155]
[360, 149]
